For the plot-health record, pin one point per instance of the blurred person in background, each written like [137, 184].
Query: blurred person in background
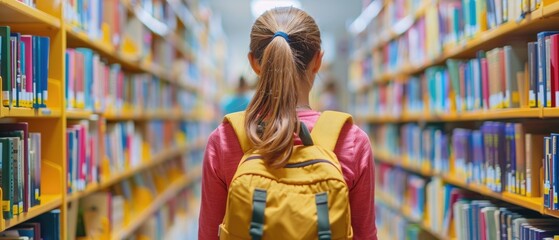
[238, 101]
[328, 98]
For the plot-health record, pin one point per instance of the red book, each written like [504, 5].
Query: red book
[485, 82]
[554, 69]
[28, 40]
[79, 79]
[482, 226]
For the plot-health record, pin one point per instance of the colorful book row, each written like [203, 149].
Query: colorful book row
[441, 25]
[20, 152]
[516, 75]
[94, 155]
[501, 156]
[96, 86]
[24, 69]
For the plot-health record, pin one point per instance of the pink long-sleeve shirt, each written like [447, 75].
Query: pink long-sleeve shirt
[353, 150]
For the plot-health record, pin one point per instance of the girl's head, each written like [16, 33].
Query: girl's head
[285, 53]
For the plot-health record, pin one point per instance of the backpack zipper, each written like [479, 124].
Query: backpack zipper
[296, 165]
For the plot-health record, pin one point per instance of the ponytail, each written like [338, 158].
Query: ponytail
[271, 116]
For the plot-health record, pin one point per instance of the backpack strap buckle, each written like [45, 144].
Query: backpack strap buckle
[258, 206]
[324, 235]
[324, 232]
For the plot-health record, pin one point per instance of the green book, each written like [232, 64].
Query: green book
[5, 64]
[7, 177]
[454, 74]
[19, 173]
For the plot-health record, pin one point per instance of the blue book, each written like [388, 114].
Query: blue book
[542, 58]
[36, 71]
[44, 52]
[491, 14]
[554, 171]
[88, 78]
[50, 224]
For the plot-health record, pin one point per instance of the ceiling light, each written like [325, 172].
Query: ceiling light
[260, 6]
[366, 17]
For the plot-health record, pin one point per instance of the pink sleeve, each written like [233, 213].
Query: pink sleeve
[362, 194]
[213, 201]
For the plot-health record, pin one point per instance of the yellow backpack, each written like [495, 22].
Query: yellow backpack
[306, 199]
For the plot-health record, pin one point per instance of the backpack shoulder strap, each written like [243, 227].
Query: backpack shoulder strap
[237, 121]
[328, 127]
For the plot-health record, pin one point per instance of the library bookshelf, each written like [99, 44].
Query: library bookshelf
[47, 18]
[380, 75]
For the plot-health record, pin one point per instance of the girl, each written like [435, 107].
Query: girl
[285, 53]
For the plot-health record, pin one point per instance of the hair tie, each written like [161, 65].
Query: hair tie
[282, 34]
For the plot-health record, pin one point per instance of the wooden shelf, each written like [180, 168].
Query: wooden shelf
[30, 112]
[394, 161]
[159, 115]
[551, 9]
[553, 213]
[78, 38]
[124, 116]
[48, 202]
[159, 201]
[79, 114]
[551, 112]
[516, 113]
[15, 12]
[118, 177]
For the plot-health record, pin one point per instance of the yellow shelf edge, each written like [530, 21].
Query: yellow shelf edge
[160, 115]
[155, 160]
[78, 114]
[30, 112]
[480, 115]
[384, 158]
[97, 45]
[36, 15]
[48, 203]
[161, 199]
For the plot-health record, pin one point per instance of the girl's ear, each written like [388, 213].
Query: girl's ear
[317, 62]
[254, 63]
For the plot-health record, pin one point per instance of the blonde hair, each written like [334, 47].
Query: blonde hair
[271, 116]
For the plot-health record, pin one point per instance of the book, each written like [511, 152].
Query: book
[7, 178]
[5, 59]
[20, 130]
[542, 56]
[49, 224]
[515, 58]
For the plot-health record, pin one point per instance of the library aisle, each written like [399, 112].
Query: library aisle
[107, 105]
